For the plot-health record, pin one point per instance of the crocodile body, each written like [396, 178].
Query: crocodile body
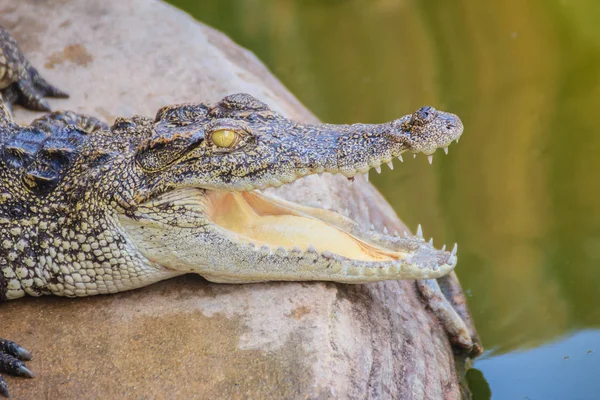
[87, 208]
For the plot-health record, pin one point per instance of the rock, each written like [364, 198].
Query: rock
[187, 338]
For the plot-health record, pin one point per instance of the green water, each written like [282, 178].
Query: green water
[518, 193]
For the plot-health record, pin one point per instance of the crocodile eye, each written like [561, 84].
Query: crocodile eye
[224, 138]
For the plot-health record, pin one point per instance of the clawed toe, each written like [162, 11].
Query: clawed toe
[30, 98]
[447, 301]
[21, 83]
[32, 89]
[4, 388]
[13, 349]
[11, 362]
[43, 87]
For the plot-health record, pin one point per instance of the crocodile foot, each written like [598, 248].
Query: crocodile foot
[20, 82]
[447, 300]
[11, 361]
[30, 90]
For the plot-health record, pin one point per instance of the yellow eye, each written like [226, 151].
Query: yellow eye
[224, 138]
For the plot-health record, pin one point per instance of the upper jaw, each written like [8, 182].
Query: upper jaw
[340, 149]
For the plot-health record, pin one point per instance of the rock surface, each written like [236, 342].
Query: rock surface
[187, 338]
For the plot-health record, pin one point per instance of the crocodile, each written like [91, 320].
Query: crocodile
[87, 208]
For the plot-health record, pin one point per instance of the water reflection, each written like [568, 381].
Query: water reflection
[520, 191]
[479, 386]
[567, 369]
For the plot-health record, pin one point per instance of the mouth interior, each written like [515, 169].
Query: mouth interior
[263, 220]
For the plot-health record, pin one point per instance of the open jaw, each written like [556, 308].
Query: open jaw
[251, 236]
[228, 231]
[320, 244]
[306, 243]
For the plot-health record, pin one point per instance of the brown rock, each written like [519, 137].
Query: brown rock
[187, 338]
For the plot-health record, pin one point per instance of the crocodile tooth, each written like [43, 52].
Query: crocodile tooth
[281, 251]
[344, 269]
[366, 176]
[420, 231]
[455, 249]
[391, 165]
[335, 267]
[311, 248]
[370, 271]
[406, 234]
[430, 158]
[396, 233]
[384, 271]
[452, 259]
[378, 169]
[372, 227]
[252, 244]
[347, 212]
[444, 248]
[327, 254]
[297, 249]
[400, 158]
[356, 269]
[431, 241]
[446, 150]
[414, 155]
[385, 230]
[457, 140]
[395, 268]
[265, 249]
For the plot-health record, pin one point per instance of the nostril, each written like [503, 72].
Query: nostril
[423, 115]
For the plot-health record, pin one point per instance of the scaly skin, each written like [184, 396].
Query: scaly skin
[88, 209]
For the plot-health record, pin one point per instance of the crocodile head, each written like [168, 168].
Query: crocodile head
[200, 208]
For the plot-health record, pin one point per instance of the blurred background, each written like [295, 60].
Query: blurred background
[519, 193]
